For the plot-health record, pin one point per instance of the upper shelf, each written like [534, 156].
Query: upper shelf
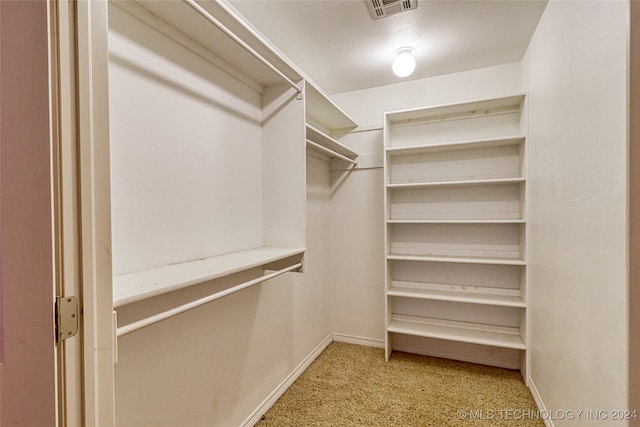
[481, 108]
[140, 285]
[178, 19]
[323, 112]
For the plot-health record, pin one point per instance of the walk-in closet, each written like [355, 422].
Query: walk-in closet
[247, 188]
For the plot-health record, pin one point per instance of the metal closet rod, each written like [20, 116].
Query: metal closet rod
[330, 152]
[148, 321]
[242, 43]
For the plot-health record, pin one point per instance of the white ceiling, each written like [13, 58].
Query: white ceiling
[339, 46]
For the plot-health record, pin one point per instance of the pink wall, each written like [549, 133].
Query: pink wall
[27, 372]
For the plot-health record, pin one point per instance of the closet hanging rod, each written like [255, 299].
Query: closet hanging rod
[331, 152]
[148, 321]
[202, 11]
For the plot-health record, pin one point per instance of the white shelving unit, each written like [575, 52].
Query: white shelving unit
[204, 113]
[324, 119]
[455, 226]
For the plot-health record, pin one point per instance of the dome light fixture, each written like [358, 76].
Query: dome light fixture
[404, 63]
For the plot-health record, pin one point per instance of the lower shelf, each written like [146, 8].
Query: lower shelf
[474, 333]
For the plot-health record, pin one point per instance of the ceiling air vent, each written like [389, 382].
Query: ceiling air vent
[379, 9]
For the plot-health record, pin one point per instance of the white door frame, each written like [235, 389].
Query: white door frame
[82, 207]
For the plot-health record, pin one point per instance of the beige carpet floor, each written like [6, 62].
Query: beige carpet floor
[352, 385]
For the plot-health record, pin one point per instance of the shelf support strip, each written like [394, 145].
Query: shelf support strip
[148, 321]
[242, 43]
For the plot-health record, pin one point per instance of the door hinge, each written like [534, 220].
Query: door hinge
[67, 317]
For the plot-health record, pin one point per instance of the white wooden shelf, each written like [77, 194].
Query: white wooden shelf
[322, 116]
[137, 286]
[456, 221]
[184, 25]
[460, 260]
[456, 145]
[449, 112]
[457, 293]
[323, 112]
[331, 144]
[460, 183]
[474, 333]
[459, 204]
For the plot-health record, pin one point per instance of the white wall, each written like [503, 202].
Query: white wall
[357, 240]
[172, 116]
[367, 106]
[215, 365]
[357, 258]
[575, 71]
[187, 171]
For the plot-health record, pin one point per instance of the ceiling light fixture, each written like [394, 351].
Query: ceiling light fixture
[404, 63]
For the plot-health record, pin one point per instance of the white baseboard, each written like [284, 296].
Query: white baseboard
[279, 391]
[538, 399]
[352, 339]
[284, 385]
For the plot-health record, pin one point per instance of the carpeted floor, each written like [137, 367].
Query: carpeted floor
[351, 385]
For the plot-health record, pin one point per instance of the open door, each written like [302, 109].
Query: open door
[54, 224]
[27, 344]
[634, 210]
